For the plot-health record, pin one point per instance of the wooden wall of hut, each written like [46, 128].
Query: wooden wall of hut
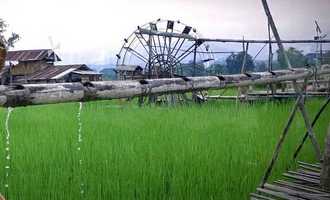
[28, 67]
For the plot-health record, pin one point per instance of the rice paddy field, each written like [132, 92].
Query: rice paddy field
[218, 150]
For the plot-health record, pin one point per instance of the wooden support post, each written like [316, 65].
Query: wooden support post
[280, 142]
[245, 51]
[310, 131]
[317, 116]
[298, 104]
[243, 90]
[270, 51]
[275, 32]
[325, 174]
[308, 125]
[194, 61]
[194, 94]
[149, 57]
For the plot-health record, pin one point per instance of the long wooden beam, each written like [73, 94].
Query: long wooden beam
[325, 173]
[189, 37]
[275, 33]
[264, 41]
[34, 94]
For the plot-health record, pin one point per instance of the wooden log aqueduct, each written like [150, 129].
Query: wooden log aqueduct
[311, 181]
[34, 94]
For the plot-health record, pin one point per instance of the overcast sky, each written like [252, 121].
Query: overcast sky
[92, 31]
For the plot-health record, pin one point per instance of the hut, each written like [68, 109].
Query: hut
[26, 62]
[38, 66]
[30, 61]
[129, 72]
[64, 73]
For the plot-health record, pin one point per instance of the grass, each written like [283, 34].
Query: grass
[213, 151]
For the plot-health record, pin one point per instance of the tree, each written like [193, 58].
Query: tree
[260, 66]
[326, 58]
[217, 69]
[188, 69]
[7, 43]
[234, 63]
[296, 57]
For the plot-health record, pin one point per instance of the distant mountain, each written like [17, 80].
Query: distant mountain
[99, 67]
[108, 74]
[221, 61]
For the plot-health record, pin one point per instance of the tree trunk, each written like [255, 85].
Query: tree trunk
[325, 174]
[3, 53]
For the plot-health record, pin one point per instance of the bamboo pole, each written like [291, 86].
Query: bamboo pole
[34, 94]
[296, 153]
[305, 116]
[224, 40]
[275, 32]
[325, 174]
[281, 140]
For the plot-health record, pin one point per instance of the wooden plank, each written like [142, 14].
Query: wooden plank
[301, 178]
[315, 174]
[293, 192]
[300, 187]
[258, 196]
[310, 168]
[309, 165]
[278, 194]
[304, 175]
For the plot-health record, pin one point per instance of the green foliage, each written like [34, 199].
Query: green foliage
[189, 70]
[326, 58]
[260, 66]
[213, 151]
[2, 30]
[7, 43]
[235, 61]
[215, 69]
[296, 57]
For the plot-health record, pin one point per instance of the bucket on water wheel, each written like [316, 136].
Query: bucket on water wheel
[3, 53]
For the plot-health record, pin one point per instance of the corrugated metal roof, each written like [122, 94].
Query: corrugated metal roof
[32, 55]
[85, 72]
[128, 68]
[60, 75]
[56, 71]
